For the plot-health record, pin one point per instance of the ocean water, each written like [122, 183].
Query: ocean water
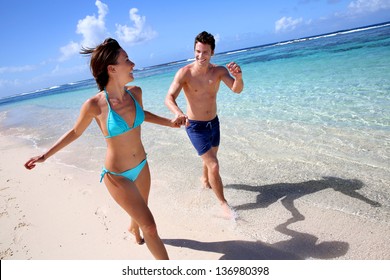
[311, 126]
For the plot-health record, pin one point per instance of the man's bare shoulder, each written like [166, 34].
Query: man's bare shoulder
[183, 73]
[186, 69]
[219, 68]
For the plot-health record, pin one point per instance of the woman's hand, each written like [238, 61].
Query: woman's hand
[180, 120]
[30, 164]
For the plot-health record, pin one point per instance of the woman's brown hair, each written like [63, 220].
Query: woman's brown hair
[102, 56]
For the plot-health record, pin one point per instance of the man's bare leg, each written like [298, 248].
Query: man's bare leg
[211, 164]
[205, 177]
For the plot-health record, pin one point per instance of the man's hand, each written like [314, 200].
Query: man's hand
[181, 119]
[234, 69]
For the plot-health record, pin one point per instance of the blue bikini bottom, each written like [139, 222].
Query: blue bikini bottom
[130, 174]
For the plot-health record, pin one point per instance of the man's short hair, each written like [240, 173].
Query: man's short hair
[205, 38]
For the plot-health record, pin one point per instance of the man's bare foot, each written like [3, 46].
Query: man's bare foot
[205, 183]
[138, 239]
[228, 212]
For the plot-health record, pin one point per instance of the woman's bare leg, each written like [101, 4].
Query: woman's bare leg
[143, 184]
[127, 195]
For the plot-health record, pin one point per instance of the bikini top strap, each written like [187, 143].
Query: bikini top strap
[108, 102]
[129, 92]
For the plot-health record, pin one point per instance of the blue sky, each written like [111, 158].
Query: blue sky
[40, 39]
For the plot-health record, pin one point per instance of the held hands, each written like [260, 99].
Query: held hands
[234, 69]
[174, 124]
[30, 164]
[180, 120]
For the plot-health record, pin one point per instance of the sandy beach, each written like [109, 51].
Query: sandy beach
[63, 213]
[59, 212]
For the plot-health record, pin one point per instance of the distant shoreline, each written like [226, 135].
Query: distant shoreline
[55, 88]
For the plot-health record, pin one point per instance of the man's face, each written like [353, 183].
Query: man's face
[203, 54]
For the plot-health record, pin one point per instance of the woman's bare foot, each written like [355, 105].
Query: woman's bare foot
[135, 231]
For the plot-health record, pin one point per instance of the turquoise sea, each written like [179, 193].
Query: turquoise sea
[337, 79]
[312, 125]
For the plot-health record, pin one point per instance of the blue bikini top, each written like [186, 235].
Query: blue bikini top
[116, 125]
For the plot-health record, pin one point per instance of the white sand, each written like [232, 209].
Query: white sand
[60, 212]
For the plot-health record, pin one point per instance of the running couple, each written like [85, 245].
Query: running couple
[118, 110]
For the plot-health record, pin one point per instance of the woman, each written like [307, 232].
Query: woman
[118, 111]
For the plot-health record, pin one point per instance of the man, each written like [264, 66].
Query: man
[200, 81]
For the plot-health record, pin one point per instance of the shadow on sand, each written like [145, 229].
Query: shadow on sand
[300, 245]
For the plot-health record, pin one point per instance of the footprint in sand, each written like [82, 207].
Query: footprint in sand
[86, 191]
[4, 213]
[11, 201]
[101, 212]
[126, 236]
[19, 231]
[6, 254]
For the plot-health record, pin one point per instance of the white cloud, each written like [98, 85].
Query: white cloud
[9, 83]
[368, 6]
[17, 69]
[287, 24]
[59, 71]
[91, 28]
[138, 32]
[69, 50]
[217, 38]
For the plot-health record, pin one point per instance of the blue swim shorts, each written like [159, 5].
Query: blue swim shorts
[204, 134]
